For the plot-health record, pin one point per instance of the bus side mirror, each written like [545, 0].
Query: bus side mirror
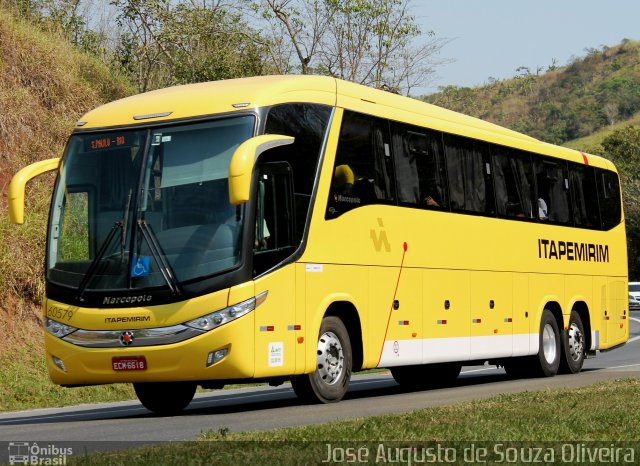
[18, 183]
[243, 160]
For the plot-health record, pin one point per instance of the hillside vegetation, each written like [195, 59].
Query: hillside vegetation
[45, 86]
[561, 104]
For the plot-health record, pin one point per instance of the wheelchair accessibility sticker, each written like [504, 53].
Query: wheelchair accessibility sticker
[140, 266]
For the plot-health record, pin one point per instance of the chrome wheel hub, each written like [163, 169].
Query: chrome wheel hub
[330, 360]
[549, 346]
[576, 342]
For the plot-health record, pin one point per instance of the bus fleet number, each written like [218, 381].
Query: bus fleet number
[59, 313]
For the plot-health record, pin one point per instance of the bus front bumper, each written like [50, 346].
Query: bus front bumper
[223, 353]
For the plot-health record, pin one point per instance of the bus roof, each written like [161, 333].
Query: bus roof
[235, 95]
[209, 98]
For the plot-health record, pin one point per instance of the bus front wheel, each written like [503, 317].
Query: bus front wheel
[165, 398]
[328, 383]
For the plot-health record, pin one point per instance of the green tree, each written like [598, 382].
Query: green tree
[139, 51]
[371, 42]
[623, 147]
[68, 17]
[210, 43]
[165, 42]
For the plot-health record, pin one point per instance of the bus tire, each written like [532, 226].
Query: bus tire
[165, 398]
[547, 361]
[328, 383]
[410, 377]
[445, 373]
[573, 346]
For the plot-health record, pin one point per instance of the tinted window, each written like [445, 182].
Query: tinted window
[274, 229]
[307, 124]
[469, 174]
[420, 167]
[609, 198]
[553, 190]
[514, 183]
[363, 172]
[584, 196]
[445, 171]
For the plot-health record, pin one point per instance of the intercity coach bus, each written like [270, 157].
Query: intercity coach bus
[301, 227]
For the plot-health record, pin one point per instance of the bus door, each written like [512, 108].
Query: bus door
[601, 314]
[617, 311]
[277, 320]
[611, 298]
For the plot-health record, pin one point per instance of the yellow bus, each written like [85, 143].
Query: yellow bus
[300, 228]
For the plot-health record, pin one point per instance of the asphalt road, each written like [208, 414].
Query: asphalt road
[116, 425]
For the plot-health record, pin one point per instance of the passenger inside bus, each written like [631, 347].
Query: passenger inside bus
[543, 211]
[343, 179]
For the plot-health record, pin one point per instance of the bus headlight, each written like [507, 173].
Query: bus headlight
[58, 329]
[223, 316]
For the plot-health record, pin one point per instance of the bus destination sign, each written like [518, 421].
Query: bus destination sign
[106, 141]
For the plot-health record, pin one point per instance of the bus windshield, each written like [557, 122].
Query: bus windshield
[146, 208]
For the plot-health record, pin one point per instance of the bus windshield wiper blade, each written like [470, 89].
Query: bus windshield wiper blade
[123, 240]
[159, 256]
[119, 225]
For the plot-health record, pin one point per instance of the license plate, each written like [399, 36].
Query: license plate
[129, 363]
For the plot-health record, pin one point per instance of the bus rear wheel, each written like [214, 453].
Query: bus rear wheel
[165, 398]
[548, 359]
[547, 362]
[328, 383]
[573, 346]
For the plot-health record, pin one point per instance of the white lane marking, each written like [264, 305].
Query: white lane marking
[631, 340]
[621, 367]
[81, 415]
[635, 319]
[480, 370]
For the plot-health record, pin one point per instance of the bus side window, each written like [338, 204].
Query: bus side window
[363, 161]
[420, 167]
[609, 198]
[584, 196]
[275, 223]
[553, 190]
[307, 123]
[469, 174]
[514, 184]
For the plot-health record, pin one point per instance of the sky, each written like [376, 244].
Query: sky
[492, 38]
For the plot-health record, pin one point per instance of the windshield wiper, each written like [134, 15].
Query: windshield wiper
[125, 219]
[160, 257]
[119, 225]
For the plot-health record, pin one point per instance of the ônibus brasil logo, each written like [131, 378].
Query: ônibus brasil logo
[32, 453]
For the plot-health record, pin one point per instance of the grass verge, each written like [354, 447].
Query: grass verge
[606, 413]
[24, 381]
